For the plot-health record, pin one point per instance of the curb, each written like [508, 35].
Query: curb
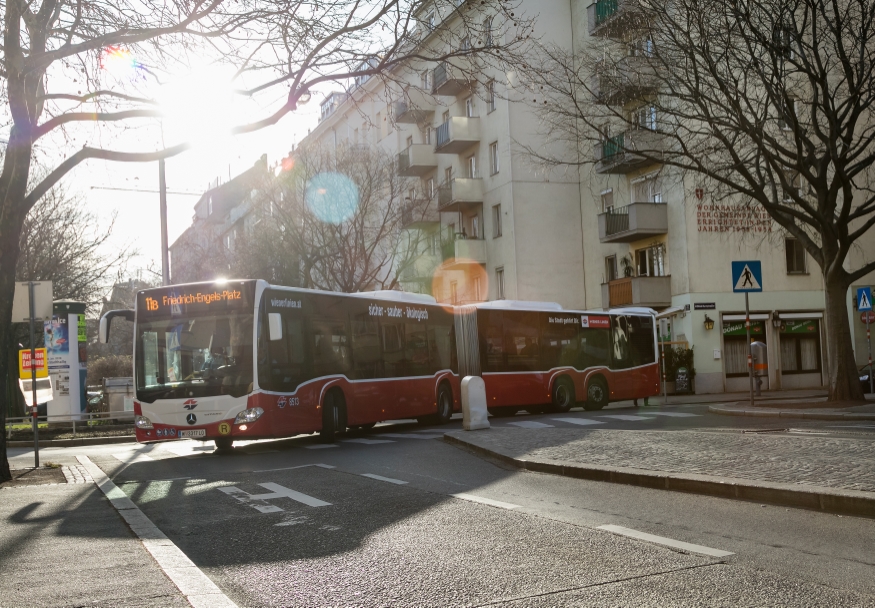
[773, 413]
[67, 443]
[817, 498]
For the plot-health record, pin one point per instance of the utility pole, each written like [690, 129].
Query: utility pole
[165, 254]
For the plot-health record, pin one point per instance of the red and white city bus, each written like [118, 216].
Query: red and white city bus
[537, 356]
[248, 360]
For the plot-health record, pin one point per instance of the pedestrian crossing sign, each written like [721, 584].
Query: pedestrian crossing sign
[864, 299]
[747, 276]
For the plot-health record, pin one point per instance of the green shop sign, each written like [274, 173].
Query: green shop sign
[799, 327]
[736, 328]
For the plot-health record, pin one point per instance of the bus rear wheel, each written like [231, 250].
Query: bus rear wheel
[563, 395]
[596, 395]
[333, 416]
[444, 405]
[503, 412]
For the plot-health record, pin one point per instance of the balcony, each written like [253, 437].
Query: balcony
[613, 18]
[630, 78]
[420, 214]
[457, 135]
[633, 222]
[416, 160]
[414, 108]
[462, 252]
[618, 154]
[654, 292]
[452, 79]
[460, 194]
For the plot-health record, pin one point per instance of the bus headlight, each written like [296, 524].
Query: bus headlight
[141, 422]
[250, 415]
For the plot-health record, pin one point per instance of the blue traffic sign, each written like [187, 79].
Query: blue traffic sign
[747, 276]
[864, 299]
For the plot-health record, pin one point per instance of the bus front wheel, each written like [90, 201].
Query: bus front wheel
[563, 395]
[224, 444]
[333, 416]
[596, 395]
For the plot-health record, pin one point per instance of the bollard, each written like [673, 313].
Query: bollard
[474, 414]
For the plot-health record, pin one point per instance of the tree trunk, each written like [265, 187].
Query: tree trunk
[844, 381]
[13, 187]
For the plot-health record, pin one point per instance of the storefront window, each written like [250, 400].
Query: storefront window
[800, 346]
[735, 345]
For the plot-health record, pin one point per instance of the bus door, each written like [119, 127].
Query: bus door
[369, 389]
[633, 356]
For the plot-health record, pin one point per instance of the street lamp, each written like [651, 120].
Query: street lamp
[709, 323]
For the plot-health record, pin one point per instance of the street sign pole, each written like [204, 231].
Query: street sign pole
[33, 377]
[869, 345]
[749, 345]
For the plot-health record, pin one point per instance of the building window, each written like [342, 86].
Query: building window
[477, 289]
[430, 187]
[647, 190]
[471, 166]
[493, 158]
[607, 201]
[469, 107]
[499, 283]
[490, 96]
[448, 175]
[496, 221]
[736, 346]
[610, 268]
[487, 31]
[644, 118]
[800, 346]
[650, 262]
[210, 206]
[430, 21]
[788, 115]
[466, 44]
[454, 292]
[428, 135]
[446, 116]
[228, 242]
[475, 227]
[795, 256]
[425, 80]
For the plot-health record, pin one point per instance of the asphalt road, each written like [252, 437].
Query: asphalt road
[398, 517]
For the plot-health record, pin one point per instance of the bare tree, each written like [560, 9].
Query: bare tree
[56, 92]
[765, 103]
[331, 222]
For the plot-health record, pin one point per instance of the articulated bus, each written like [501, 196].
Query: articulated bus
[247, 360]
[538, 356]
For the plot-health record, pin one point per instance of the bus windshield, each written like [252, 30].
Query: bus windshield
[198, 356]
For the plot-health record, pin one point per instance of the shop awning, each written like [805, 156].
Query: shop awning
[800, 315]
[753, 317]
[669, 312]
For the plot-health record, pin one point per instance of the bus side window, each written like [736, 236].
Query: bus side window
[366, 355]
[492, 344]
[416, 350]
[330, 348]
[560, 342]
[641, 340]
[621, 349]
[440, 347]
[521, 340]
[393, 349]
[595, 348]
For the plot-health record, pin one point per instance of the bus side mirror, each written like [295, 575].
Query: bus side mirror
[104, 330]
[275, 326]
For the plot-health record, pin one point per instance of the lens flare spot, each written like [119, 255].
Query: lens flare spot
[332, 197]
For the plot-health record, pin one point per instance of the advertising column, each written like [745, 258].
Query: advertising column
[65, 342]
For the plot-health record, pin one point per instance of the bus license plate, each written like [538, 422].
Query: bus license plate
[193, 433]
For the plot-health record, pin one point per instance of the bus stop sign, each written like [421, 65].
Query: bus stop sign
[747, 276]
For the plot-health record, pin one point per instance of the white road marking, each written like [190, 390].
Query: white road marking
[425, 431]
[580, 421]
[278, 491]
[411, 435]
[674, 414]
[668, 542]
[486, 501]
[129, 457]
[303, 466]
[367, 441]
[196, 586]
[381, 478]
[531, 424]
[626, 417]
[321, 446]
[853, 426]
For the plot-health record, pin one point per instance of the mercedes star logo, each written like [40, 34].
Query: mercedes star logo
[191, 419]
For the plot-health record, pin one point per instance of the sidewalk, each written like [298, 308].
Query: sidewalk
[65, 545]
[830, 474]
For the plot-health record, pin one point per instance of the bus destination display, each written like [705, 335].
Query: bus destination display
[186, 300]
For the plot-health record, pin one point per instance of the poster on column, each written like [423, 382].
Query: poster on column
[57, 343]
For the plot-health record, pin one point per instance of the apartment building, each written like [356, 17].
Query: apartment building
[494, 225]
[662, 241]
